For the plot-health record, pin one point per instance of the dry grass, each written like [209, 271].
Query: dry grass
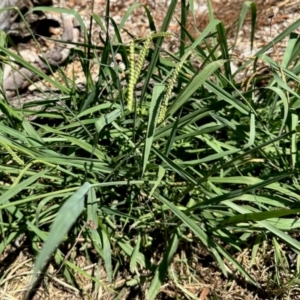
[193, 273]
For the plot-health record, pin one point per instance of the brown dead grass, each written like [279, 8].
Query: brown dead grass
[193, 274]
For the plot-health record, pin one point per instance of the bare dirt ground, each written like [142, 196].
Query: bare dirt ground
[192, 271]
[273, 17]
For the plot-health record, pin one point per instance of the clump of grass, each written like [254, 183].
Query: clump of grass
[208, 164]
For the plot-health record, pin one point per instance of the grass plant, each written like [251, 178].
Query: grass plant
[170, 159]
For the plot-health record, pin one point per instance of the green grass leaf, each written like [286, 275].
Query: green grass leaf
[66, 217]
